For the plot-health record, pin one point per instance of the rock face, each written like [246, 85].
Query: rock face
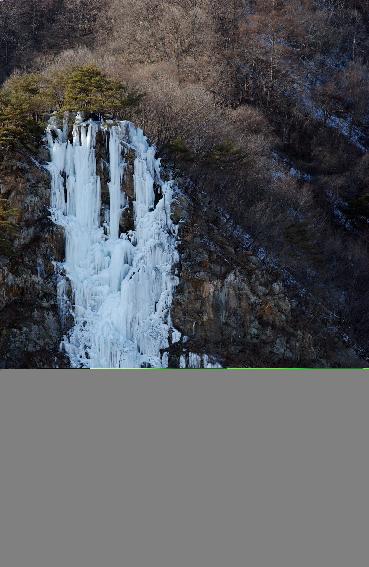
[236, 309]
[229, 305]
[30, 329]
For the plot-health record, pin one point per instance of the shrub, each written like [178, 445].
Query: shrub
[179, 148]
[88, 89]
[225, 152]
[24, 101]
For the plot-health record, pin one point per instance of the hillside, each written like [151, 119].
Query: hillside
[259, 113]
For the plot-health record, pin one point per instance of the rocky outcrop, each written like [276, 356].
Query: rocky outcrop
[230, 307]
[30, 328]
[233, 307]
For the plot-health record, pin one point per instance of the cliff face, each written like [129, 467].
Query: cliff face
[30, 330]
[233, 306]
[230, 307]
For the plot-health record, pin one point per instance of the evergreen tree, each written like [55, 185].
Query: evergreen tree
[87, 89]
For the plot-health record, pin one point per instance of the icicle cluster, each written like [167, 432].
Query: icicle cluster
[122, 284]
[193, 360]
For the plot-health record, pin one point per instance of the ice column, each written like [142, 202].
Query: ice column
[122, 284]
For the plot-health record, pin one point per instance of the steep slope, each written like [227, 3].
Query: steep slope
[30, 329]
[263, 109]
[25, 28]
[233, 303]
[134, 270]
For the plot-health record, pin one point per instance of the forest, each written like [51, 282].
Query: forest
[261, 104]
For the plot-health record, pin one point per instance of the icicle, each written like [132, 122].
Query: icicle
[194, 360]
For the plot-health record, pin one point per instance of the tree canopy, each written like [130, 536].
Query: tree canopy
[27, 100]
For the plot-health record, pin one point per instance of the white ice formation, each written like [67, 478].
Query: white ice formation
[193, 360]
[121, 283]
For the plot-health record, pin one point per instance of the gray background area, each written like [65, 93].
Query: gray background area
[186, 470]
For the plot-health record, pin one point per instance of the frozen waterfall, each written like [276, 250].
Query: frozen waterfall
[121, 283]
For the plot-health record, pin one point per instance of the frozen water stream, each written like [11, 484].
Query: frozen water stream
[122, 283]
